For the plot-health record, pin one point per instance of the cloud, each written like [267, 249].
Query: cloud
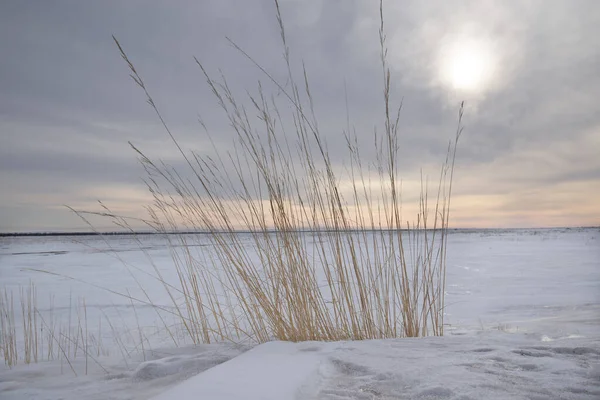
[68, 107]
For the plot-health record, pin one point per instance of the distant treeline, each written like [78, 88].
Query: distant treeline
[135, 233]
[117, 233]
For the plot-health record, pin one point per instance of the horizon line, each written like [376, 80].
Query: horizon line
[198, 232]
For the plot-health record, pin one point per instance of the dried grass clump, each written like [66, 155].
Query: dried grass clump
[35, 339]
[295, 255]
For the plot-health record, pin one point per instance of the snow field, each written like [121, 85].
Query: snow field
[523, 321]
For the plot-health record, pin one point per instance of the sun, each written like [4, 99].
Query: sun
[467, 71]
[467, 65]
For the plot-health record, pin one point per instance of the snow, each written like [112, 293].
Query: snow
[478, 365]
[272, 371]
[523, 322]
[54, 380]
[487, 366]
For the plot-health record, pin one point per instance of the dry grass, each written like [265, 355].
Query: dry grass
[8, 340]
[361, 272]
[29, 318]
[44, 339]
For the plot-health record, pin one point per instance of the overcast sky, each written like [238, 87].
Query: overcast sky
[529, 72]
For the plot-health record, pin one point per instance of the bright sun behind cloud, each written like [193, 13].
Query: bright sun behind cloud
[467, 65]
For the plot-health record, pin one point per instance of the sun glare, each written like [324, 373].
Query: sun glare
[467, 65]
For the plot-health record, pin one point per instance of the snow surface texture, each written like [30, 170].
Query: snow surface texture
[54, 380]
[523, 315]
[486, 365]
[489, 366]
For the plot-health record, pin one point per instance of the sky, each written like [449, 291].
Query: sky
[528, 71]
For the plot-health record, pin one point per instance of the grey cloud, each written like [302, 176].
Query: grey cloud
[68, 107]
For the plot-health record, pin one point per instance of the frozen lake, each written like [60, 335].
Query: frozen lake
[546, 280]
[541, 285]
